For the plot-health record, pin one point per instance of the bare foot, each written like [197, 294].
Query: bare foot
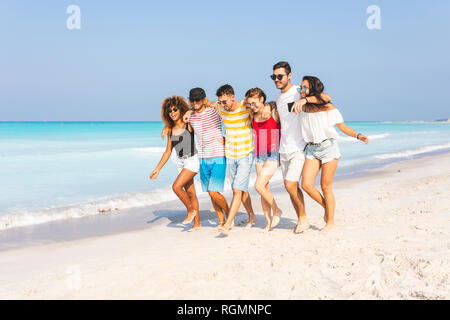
[267, 227]
[251, 222]
[191, 215]
[276, 218]
[217, 229]
[302, 226]
[194, 228]
[224, 230]
[328, 227]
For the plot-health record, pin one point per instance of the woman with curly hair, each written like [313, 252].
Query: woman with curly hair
[181, 138]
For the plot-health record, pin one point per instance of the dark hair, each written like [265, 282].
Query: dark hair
[272, 104]
[255, 92]
[225, 89]
[173, 101]
[283, 64]
[316, 88]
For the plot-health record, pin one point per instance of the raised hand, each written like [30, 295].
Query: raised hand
[187, 116]
[266, 112]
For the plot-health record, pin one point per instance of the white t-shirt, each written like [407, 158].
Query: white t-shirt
[291, 133]
[319, 126]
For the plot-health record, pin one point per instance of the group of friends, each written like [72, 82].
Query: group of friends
[296, 133]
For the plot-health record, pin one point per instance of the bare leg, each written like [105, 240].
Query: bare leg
[309, 174]
[247, 202]
[264, 173]
[190, 189]
[328, 171]
[259, 186]
[298, 202]
[183, 178]
[234, 207]
[220, 205]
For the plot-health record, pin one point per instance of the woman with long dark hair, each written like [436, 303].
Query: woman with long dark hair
[181, 138]
[322, 150]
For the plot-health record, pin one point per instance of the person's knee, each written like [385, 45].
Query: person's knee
[308, 187]
[237, 194]
[259, 187]
[177, 188]
[326, 187]
[291, 187]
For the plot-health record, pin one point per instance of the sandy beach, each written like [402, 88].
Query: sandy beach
[392, 241]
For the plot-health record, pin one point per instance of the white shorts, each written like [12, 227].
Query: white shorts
[292, 165]
[191, 164]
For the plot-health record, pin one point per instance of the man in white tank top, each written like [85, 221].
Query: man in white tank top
[292, 144]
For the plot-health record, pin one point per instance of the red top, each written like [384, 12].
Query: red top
[268, 136]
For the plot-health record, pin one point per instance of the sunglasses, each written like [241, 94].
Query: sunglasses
[172, 110]
[302, 89]
[253, 104]
[277, 76]
[195, 100]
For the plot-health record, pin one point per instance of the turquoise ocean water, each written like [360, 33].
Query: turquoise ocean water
[60, 170]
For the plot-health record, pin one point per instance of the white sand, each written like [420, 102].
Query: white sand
[391, 242]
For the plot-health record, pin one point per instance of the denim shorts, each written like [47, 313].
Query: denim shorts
[238, 171]
[325, 151]
[270, 156]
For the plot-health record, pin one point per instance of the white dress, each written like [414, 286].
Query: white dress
[319, 126]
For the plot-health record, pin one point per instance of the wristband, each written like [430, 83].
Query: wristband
[357, 136]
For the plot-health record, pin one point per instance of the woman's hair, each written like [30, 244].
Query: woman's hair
[255, 93]
[315, 89]
[272, 104]
[167, 104]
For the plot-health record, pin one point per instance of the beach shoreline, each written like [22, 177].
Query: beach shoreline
[391, 242]
[143, 217]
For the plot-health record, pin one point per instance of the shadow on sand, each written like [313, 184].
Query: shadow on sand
[209, 219]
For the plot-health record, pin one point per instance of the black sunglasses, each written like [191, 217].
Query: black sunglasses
[175, 109]
[277, 76]
[195, 99]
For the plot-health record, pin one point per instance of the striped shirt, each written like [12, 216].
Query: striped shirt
[238, 131]
[208, 132]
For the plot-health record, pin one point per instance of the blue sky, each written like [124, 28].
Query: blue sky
[129, 55]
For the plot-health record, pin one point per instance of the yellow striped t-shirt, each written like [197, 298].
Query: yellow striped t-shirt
[238, 131]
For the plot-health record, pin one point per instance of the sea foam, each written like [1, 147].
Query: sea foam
[413, 152]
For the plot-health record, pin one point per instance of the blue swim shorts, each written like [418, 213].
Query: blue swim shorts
[212, 173]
